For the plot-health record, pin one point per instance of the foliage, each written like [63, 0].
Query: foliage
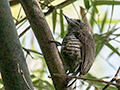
[102, 37]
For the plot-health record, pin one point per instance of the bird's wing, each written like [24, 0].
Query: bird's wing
[87, 59]
[88, 53]
[88, 49]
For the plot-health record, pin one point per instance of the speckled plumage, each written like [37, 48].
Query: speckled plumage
[78, 48]
[71, 52]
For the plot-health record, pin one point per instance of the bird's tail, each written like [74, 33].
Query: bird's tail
[70, 81]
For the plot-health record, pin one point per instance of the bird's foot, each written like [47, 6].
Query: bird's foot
[56, 42]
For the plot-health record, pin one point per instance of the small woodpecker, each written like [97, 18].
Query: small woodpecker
[78, 49]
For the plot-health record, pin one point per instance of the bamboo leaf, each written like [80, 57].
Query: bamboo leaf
[113, 49]
[88, 88]
[86, 3]
[94, 7]
[99, 41]
[98, 48]
[54, 16]
[61, 23]
[91, 18]
[106, 2]
[23, 40]
[39, 82]
[103, 22]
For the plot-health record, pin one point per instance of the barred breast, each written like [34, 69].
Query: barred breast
[71, 52]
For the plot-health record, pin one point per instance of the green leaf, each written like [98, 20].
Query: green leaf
[91, 18]
[113, 49]
[37, 82]
[106, 2]
[54, 16]
[113, 28]
[86, 3]
[23, 41]
[98, 48]
[49, 85]
[88, 88]
[99, 41]
[103, 22]
[61, 24]
[94, 7]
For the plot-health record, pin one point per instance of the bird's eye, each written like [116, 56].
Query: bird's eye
[81, 22]
[78, 20]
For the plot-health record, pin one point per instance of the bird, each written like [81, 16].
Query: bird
[77, 49]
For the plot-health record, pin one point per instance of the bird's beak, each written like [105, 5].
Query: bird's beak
[68, 19]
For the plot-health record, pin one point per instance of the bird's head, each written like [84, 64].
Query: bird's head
[75, 23]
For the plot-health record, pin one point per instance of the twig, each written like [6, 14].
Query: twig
[110, 32]
[24, 31]
[96, 80]
[61, 5]
[21, 23]
[23, 76]
[114, 78]
[29, 50]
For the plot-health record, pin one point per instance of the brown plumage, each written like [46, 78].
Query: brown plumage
[78, 48]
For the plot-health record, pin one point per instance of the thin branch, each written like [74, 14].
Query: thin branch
[29, 50]
[114, 78]
[43, 34]
[28, 53]
[116, 40]
[61, 5]
[24, 31]
[22, 23]
[95, 80]
[23, 76]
